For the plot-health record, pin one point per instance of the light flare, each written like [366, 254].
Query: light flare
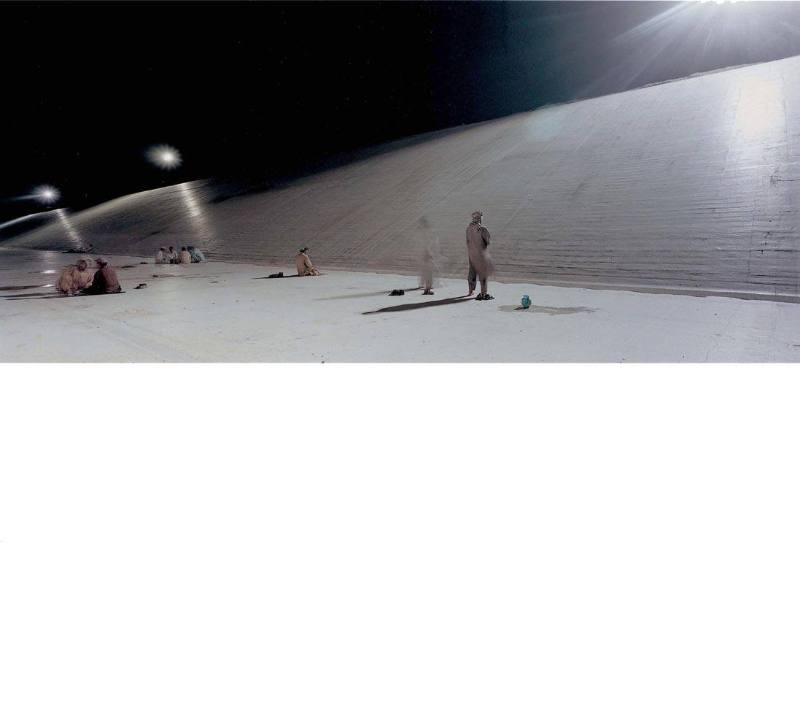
[23, 218]
[164, 156]
[46, 194]
[698, 28]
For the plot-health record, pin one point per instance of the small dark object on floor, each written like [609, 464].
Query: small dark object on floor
[275, 275]
[127, 266]
[142, 262]
[398, 291]
[484, 296]
[141, 285]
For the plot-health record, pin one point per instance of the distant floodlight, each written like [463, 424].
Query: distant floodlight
[46, 194]
[164, 156]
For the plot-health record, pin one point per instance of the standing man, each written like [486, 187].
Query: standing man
[480, 264]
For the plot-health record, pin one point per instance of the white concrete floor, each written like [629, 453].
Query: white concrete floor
[229, 312]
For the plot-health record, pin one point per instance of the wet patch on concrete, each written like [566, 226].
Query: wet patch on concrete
[549, 310]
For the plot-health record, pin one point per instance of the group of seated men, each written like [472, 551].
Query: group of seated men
[78, 279]
[188, 254]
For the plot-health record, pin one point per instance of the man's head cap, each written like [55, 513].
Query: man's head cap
[477, 214]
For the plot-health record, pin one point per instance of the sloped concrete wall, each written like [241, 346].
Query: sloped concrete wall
[693, 183]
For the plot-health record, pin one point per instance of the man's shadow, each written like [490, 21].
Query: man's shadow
[24, 296]
[417, 306]
[22, 287]
[56, 296]
[367, 295]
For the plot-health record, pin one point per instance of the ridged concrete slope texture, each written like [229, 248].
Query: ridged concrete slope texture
[693, 183]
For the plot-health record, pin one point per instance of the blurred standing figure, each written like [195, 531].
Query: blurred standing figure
[426, 271]
[480, 264]
[185, 256]
[304, 264]
[428, 264]
[74, 278]
[161, 256]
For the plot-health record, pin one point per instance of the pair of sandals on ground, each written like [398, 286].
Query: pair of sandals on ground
[480, 296]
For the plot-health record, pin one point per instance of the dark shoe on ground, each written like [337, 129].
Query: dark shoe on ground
[479, 296]
[486, 296]
[427, 292]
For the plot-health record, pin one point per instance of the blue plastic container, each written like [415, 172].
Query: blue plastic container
[525, 302]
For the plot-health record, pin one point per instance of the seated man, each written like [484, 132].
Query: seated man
[184, 257]
[172, 255]
[105, 280]
[197, 255]
[304, 264]
[74, 278]
[161, 256]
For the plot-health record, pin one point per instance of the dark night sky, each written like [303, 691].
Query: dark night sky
[262, 90]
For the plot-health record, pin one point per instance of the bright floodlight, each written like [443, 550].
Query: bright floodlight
[47, 194]
[164, 156]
